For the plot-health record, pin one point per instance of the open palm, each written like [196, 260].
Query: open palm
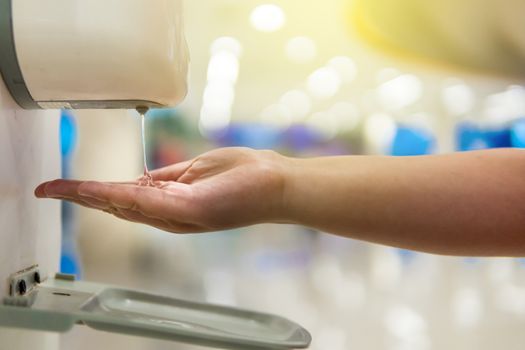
[221, 189]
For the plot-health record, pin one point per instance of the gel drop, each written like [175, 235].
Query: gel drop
[146, 179]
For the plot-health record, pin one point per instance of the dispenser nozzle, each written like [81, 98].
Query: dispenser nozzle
[142, 109]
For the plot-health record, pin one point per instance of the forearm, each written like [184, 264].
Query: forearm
[461, 204]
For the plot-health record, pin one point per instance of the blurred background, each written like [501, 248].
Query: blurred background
[295, 77]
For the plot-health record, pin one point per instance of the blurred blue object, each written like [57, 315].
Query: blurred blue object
[69, 264]
[471, 137]
[68, 140]
[407, 256]
[300, 138]
[472, 261]
[517, 133]
[412, 141]
[68, 133]
[253, 135]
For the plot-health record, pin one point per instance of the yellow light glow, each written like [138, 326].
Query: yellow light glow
[267, 18]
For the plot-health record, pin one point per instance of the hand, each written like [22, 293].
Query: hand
[221, 189]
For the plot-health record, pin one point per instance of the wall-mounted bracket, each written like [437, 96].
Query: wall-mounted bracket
[22, 285]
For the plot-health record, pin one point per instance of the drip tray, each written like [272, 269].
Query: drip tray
[56, 305]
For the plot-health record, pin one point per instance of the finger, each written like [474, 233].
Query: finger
[83, 203]
[171, 172]
[55, 188]
[63, 188]
[151, 201]
[39, 190]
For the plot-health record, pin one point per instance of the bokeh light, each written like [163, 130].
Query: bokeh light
[458, 98]
[223, 65]
[400, 92]
[228, 44]
[379, 131]
[267, 17]
[324, 82]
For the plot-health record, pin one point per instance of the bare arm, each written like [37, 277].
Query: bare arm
[459, 204]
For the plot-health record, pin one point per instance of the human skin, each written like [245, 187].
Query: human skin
[470, 204]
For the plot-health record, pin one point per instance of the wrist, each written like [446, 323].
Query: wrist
[279, 172]
[292, 172]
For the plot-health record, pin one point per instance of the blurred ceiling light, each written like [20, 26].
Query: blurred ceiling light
[379, 130]
[301, 49]
[217, 92]
[217, 105]
[400, 92]
[346, 114]
[506, 105]
[267, 17]
[298, 103]
[345, 66]
[325, 123]
[457, 97]
[223, 66]
[277, 115]
[213, 119]
[324, 82]
[228, 44]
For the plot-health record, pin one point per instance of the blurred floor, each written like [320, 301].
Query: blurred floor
[349, 295]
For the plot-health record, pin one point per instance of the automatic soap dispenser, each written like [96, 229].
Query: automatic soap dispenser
[93, 53]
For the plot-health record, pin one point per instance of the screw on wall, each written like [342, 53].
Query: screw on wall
[22, 287]
[23, 282]
[36, 277]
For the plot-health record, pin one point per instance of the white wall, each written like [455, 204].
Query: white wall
[29, 228]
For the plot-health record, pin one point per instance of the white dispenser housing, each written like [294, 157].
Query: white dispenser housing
[93, 53]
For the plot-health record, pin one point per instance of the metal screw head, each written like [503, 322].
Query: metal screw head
[22, 287]
[36, 277]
